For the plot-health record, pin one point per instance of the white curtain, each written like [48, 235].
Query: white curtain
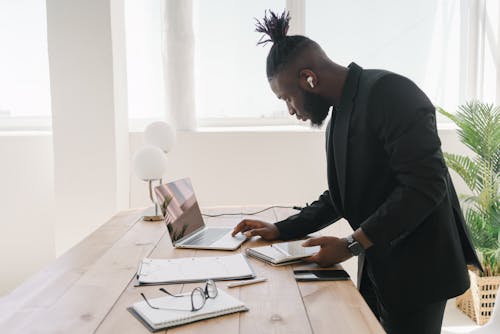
[178, 63]
[483, 50]
[487, 55]
[464, 57]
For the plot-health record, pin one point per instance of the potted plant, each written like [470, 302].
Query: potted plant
[479, 129]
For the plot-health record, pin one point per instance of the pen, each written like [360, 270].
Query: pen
[252, 281]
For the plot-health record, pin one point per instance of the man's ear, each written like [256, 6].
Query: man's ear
[308, 79]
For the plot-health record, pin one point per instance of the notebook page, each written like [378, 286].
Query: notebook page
[192, 269]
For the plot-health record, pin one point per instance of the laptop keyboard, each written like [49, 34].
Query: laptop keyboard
[207, 237]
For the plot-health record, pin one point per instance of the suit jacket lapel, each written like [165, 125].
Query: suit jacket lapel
[341, 126]
[331, 178]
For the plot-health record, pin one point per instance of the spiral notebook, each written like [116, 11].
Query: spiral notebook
[156, 320]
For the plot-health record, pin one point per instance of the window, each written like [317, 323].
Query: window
[230, 70]
[448, 48]
[490, 37]
[24, 66]
[418, 39]
[143, 31]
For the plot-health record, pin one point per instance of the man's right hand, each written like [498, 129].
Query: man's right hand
[256, 227]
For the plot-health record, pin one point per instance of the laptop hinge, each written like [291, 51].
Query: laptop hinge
[181, 240]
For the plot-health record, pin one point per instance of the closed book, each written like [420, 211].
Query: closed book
[173, 310]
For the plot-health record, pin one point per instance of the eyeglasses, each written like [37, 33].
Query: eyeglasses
[198, 296]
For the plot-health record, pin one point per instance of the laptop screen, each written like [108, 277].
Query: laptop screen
[180, 208]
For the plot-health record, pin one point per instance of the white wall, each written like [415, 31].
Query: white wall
[26, 206]
[250, 168]
[89, 115]
[254, 167]
[227, 168]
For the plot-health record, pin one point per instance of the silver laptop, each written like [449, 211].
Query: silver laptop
[185, 223]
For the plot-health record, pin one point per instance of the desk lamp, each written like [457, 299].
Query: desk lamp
[150, 165]
[161, 135]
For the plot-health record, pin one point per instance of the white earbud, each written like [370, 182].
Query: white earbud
[310, 81]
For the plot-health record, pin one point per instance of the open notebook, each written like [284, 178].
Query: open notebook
[282, 253]
[156, 320]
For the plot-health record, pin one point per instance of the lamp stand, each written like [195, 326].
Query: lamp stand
[157, 216]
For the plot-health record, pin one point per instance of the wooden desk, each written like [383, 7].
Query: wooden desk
[88, 289]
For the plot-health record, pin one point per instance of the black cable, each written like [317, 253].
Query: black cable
[253, 213]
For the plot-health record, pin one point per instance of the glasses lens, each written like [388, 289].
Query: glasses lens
[198, 298]
[211, 289]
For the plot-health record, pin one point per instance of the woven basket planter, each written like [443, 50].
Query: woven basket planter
[478, 301]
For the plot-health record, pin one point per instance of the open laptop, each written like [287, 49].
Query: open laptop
[185, 223]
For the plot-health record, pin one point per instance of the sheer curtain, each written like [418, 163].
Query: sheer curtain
[449, 48]
[483, 50]
[445, 70]
[178, 63]
[464, 60]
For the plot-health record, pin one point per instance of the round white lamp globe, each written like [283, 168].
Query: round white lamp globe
[160, 134]
[150, 163]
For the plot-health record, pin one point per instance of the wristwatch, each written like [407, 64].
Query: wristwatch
[354, 247]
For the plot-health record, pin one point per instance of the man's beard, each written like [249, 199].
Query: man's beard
[315, 107]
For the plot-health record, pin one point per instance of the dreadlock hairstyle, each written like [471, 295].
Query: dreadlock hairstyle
[284, 48]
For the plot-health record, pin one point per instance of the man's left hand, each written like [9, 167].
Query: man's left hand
[333, 250]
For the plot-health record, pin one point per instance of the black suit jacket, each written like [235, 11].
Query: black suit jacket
[387, 175]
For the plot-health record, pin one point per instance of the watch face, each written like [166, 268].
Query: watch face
[355, 248]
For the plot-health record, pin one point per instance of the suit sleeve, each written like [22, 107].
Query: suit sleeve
[404, 121]
[310, 219]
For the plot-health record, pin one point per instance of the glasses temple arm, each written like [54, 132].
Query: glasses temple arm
[147, 302]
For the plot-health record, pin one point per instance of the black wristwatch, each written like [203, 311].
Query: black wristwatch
[354, 247]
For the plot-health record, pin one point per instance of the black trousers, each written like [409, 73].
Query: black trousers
[426, 319]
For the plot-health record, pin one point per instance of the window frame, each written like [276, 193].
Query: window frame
[25, 123]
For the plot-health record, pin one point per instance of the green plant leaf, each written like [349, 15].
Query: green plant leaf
[479, 129]
[447, 114]
[468, 199]
[465, 167]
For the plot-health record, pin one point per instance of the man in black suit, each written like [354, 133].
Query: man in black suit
[386, 176]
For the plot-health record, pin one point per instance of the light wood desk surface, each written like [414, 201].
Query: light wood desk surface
[88, 289]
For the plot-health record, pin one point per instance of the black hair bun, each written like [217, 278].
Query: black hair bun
[273, 26]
